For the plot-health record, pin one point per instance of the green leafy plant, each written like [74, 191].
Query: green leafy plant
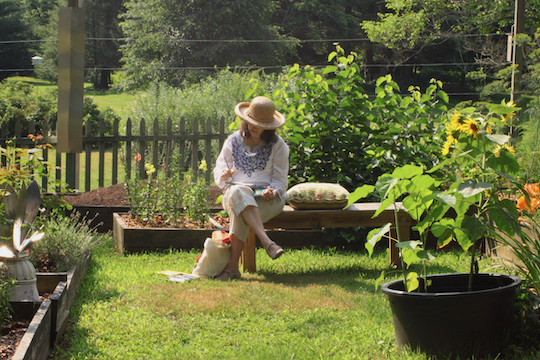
[338, 131]
[526, 249]
[169, 199]
[6, 284]
[479, 161]
[66, 240]
[195, 194]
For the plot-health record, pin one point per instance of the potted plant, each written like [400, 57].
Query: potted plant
[19, 207]
[20, 211]
[457, 200]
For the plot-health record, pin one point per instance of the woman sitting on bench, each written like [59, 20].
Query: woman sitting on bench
[252, 169]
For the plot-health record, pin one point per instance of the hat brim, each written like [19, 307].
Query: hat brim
[241, 110]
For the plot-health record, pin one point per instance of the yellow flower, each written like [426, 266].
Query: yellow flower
[497, 151]
[489, 129]
[203, 167]
[510, 149]
[455, 123]
[150, 169]
[470, 127]
[505, 118]
[498, 148]
[447, 144]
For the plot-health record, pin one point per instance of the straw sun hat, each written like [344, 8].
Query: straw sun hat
[260, 112]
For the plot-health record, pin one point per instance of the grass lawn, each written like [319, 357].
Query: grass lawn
[119, 102]
[309, 304]
[94, 173]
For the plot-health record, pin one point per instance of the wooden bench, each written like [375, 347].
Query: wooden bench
[359, 214]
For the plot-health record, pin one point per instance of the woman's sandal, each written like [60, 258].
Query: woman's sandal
[276, 253]
[231, 275]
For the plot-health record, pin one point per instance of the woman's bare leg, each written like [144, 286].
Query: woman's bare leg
[237, 246]
[252, 217]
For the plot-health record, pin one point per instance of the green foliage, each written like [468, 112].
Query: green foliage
[337, 134]
[154, 196]
[168, 198]
[21, 102]
[214, 97]
[6, 285]
[485, 161]
[17, 54]
[195, 193]
[164, 34]
[67, 240]
[402, 25]
[528, 148]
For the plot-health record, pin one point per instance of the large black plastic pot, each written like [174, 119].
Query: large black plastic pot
[450, 321]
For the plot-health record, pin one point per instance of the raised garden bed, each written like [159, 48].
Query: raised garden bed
[49, 317]
[135, 240]
[36, 342]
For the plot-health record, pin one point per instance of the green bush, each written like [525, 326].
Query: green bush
[19, 102]
[67, 240]
[214, 97]
[337, 132]
[528, 148]
[6, 285]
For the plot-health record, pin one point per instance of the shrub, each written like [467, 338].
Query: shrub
[20, 103]
[337, 134]
[528, 149]
[6, 285]
[67, 240]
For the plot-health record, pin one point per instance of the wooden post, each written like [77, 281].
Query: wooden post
[248, 254]
[70, 86]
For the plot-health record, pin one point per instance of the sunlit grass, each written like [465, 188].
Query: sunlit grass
[94, 170]
[309, 304]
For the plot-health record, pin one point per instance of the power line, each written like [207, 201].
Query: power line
[191, 68]
[449, 36]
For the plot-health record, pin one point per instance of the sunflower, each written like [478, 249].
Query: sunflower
[446, 146]
[498, 148]
[455, 121]
[470, 127]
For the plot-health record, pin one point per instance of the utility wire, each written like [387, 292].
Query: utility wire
[452, 36]
[190, 68]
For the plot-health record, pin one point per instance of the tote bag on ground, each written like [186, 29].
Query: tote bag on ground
[215, 255]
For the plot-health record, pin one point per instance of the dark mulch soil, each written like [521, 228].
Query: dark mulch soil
[10, 337]
[115, 195]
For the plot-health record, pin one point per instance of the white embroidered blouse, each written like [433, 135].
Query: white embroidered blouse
[265, 165]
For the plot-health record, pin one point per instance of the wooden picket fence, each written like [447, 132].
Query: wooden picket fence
[146, 146]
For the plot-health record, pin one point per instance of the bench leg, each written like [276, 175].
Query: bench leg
[248, 254]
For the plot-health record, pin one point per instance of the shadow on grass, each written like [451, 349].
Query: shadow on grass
[349, 275]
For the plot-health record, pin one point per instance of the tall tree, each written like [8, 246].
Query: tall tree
[414, 31]
[14, 54]
[167, 37]
[102, 51]
[317, 21]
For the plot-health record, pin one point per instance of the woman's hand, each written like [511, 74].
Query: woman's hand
[269, 194]
[226, 173]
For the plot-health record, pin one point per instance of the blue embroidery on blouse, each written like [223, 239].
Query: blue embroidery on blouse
[246, 160]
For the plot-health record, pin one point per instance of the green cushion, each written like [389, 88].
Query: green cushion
[317, 196]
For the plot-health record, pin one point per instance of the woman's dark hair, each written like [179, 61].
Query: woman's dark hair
[267, 135]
